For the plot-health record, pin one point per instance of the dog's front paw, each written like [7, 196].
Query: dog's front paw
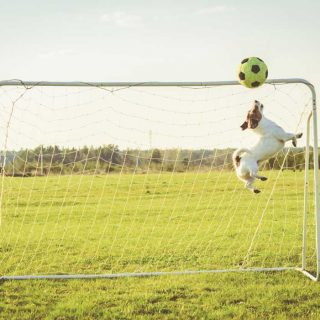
[294, 142]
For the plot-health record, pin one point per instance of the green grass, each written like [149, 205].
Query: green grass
[155, 222]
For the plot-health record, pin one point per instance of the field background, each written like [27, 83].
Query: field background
[79, 209]
[155, 222]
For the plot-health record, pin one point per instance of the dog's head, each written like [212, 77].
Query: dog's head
[254, 116]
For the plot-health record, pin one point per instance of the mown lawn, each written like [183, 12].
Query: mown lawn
[155, 222]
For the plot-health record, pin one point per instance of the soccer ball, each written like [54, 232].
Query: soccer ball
[252, 72]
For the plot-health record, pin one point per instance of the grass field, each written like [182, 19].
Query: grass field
[155, 222]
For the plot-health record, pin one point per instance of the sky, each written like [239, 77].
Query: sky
[157, 40]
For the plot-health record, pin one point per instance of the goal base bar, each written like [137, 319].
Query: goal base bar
[148, 274]
[308, 274]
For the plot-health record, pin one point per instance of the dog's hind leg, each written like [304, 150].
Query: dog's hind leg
[262, 178]
[254, 174]
[249, 185]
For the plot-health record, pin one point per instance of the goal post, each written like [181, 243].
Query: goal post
[118, 179]
[313, 115]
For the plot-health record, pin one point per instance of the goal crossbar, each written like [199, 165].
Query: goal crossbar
[15, 82]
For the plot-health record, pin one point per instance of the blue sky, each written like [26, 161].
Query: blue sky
[157, 40]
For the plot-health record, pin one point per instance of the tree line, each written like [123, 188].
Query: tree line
[45, 160]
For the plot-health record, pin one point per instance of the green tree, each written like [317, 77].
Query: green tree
[156, 156]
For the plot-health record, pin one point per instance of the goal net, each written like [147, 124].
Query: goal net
[138, 178]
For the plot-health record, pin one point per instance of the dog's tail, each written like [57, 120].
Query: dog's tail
[236, 156]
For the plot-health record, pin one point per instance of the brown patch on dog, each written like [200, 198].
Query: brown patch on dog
[253, 118]
[237, 159]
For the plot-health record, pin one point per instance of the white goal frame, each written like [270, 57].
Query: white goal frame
[312, 115]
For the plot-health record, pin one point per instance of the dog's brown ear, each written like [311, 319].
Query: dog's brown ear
[244, 126]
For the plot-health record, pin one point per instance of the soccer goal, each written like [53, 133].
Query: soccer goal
[136, 179]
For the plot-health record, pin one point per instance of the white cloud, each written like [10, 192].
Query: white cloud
[121, 19]
[214, 10]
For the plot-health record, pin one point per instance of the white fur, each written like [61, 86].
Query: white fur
[271, 140]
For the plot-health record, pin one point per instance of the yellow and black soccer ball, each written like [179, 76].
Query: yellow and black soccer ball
[252, 72]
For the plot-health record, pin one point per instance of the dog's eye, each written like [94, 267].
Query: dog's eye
[262, 106]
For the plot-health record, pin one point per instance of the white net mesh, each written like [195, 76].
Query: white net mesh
[137, 179]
